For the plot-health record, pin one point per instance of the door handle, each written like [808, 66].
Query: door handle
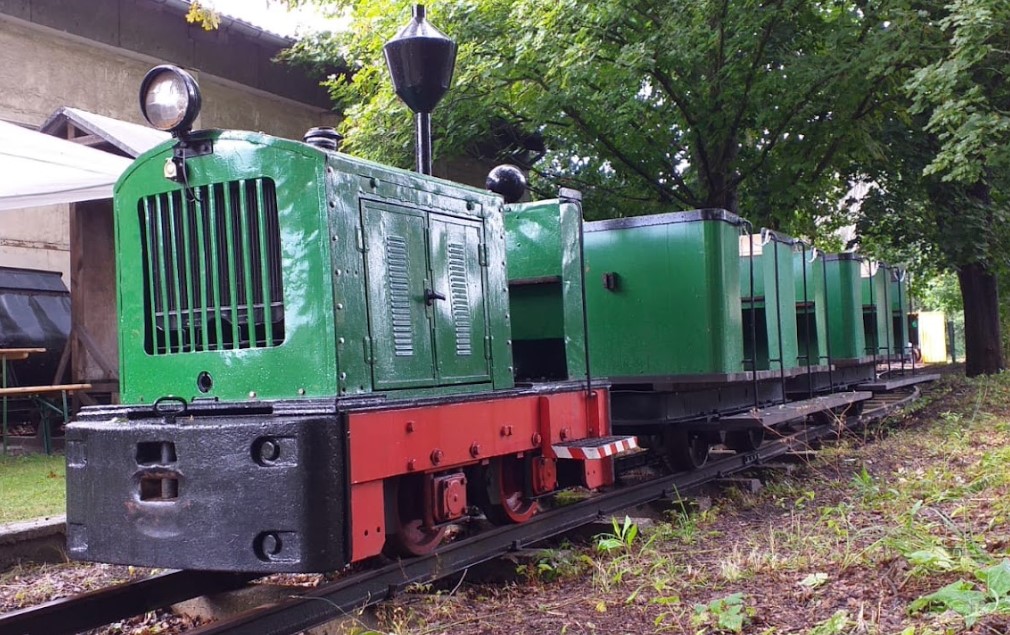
[430, 295]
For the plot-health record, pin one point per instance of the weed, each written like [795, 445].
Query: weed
[969, 600]
[834, 625]
[864, 484]
[554, 564]
[622, 538]
[722, 615]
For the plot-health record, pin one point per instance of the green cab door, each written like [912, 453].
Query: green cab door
[396, 272]
[461, 347]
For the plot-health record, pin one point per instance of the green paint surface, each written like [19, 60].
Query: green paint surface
[774, 304]
[877, 325]
[843, 295]
[545, 279]
[675, 306]
[811, 316]
[305, 297]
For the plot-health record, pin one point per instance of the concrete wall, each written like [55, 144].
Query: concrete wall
[45, 69]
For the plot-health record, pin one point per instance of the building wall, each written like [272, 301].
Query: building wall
[45, 69]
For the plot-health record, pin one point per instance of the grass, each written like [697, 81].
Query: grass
[31, 486]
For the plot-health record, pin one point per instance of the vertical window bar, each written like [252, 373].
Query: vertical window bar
[246, 241]
[152, 289]
[273, 231]
[187, 211]
[164, 347]
[215, 268]
[201, 246]
[230, 247]
[175, 202]
[268, 313]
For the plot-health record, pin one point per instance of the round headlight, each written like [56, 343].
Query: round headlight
[170, 99]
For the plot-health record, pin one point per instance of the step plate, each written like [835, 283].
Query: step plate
[594, 449]
[887, 385]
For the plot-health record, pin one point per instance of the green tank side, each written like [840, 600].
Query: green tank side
[253, 281]
[773, 299]
[900, 308]
[811, 317]
[875, 287]
[663, 295]
[545, 289]
[844, 307]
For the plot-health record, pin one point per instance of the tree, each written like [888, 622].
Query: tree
[965, 93]
[646, 105]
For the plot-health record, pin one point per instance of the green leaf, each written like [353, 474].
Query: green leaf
[960, 597]
[834, 625]
[997, 579]
[936, 558]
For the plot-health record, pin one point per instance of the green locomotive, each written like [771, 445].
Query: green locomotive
[316, 357]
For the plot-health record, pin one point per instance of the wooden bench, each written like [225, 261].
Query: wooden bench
[31, 391]
[37, 394]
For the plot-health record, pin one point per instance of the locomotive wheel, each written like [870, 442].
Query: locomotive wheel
[501, 494]
[745, 440]
[411, 537]
[686, 450]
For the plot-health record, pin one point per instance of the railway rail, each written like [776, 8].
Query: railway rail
[334, 600]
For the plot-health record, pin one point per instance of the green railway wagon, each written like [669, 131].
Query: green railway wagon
[846, 337]
[545, 288]
[875, 281]
[663, 296]
[769, 311]
[900, 308]
[811, 306]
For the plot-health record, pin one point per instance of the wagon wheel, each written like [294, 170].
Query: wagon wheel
[745, 440]
[410, 537]
[685, 450]
[501, 492]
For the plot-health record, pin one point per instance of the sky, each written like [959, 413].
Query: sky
[272, 17]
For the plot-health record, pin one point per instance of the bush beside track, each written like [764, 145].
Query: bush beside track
[858, 540]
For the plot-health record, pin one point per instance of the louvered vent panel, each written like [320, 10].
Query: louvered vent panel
[458, 295]
[398, 281]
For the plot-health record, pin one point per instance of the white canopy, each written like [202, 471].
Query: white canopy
[37, 169]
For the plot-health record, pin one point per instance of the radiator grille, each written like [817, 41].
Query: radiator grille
[212, 268]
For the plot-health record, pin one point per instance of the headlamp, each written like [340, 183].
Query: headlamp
[170, 99]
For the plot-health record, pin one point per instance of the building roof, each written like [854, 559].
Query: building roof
[128, 138]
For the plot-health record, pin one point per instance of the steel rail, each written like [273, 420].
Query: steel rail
[97, 608]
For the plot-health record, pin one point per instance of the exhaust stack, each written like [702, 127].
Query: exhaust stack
[421, 60]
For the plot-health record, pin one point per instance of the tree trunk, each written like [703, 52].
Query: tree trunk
[983, 347]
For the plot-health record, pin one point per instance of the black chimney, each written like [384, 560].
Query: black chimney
[421, 60]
